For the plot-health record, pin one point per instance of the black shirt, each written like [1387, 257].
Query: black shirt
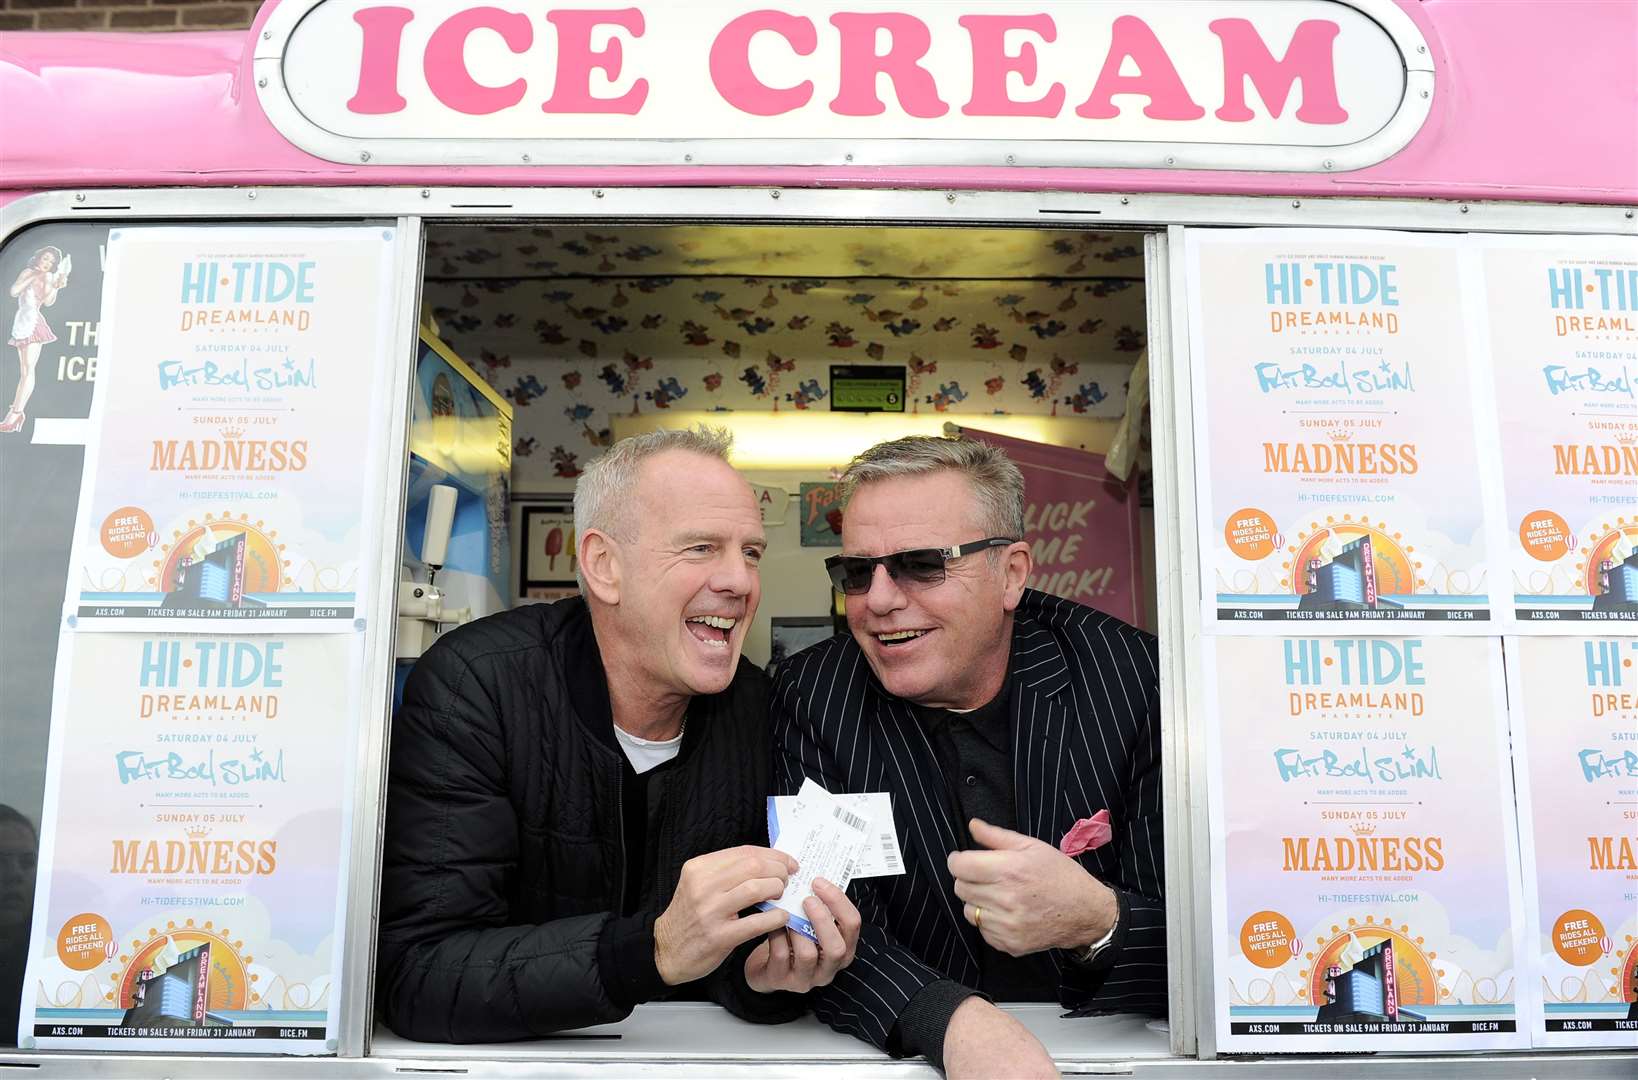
[974, 751]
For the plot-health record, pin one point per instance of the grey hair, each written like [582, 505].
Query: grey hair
[995, 480]
[602, 494]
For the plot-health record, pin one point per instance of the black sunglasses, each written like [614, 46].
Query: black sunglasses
[920, 568]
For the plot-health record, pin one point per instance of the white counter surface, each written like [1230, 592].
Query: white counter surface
[702, 1042]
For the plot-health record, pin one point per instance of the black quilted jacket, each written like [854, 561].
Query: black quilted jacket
[503, 858]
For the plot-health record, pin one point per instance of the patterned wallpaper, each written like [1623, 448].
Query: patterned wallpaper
[574, 325]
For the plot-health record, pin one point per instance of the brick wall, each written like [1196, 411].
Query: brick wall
[125, 15]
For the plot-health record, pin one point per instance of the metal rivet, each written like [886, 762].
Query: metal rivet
[1426, 93]
[774, 194]
[364, 156]
[1124, 201]
[1421, 48]
[1296, 204]
[267, 35]
[949, 196]
[1171, 161]
[1629, 213]
[1329, 164]
[79, 196]
[526, 159]
[250, 194]
[426, 193]
[688, 157]
[597, 193]
[847, 157]
[262, 83]
[1012, 159]
[1464, 209]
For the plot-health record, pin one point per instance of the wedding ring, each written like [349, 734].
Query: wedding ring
[978, 917]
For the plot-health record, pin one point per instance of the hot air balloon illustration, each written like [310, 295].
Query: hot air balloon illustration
[1295, 945]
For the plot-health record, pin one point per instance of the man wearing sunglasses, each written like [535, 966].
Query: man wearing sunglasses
[1006, 724]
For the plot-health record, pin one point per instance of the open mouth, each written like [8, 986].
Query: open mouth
[713, 630]
[893, 639]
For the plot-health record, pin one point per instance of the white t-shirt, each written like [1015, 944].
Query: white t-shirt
[646, 754]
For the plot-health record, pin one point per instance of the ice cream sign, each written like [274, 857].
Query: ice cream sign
[1302, 85]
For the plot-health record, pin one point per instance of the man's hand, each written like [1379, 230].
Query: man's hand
[1025, 895]
[789, 961]
[983, 1042]
[702, 925]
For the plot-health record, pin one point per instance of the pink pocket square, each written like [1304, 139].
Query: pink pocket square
[1086, 834]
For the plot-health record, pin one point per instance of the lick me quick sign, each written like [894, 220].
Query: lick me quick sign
[1298, 85]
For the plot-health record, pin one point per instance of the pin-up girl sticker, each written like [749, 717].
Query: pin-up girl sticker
[34, 290]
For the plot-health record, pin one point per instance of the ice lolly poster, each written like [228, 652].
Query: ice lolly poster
[1366, 892]
[1335, 434]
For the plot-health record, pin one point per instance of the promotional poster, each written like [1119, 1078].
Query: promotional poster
[192, 852]
[234, 446]
[1334, 404]
[1575, 746]
[1365, 881]
[1562, 321]
[1081, 524]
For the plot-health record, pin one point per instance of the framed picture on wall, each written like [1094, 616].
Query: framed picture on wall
[546, 552]
[790, 634]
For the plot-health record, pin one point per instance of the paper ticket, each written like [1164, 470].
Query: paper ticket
[881, 857]
[827, 839]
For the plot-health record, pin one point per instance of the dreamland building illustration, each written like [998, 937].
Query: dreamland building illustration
[215, 578]
[1617, 585]
[176, 997]
[1346, 582]
[1367, 992]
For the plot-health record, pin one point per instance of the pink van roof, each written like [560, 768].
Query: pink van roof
[1537, 100]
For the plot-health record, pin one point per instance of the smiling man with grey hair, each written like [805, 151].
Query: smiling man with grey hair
[603, 500]
[576, 813]
[1019, 737]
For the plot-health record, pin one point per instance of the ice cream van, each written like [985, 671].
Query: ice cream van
[1313, 325]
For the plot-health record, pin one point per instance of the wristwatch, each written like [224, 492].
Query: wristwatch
[1088, 953]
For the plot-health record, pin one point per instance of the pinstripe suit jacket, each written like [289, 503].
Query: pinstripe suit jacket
[1085, 737]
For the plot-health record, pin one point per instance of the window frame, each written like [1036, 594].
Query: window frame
[1162, 217]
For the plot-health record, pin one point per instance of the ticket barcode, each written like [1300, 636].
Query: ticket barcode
[852, 821]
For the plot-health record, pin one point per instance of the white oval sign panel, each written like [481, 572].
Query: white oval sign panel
[1244, 84]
